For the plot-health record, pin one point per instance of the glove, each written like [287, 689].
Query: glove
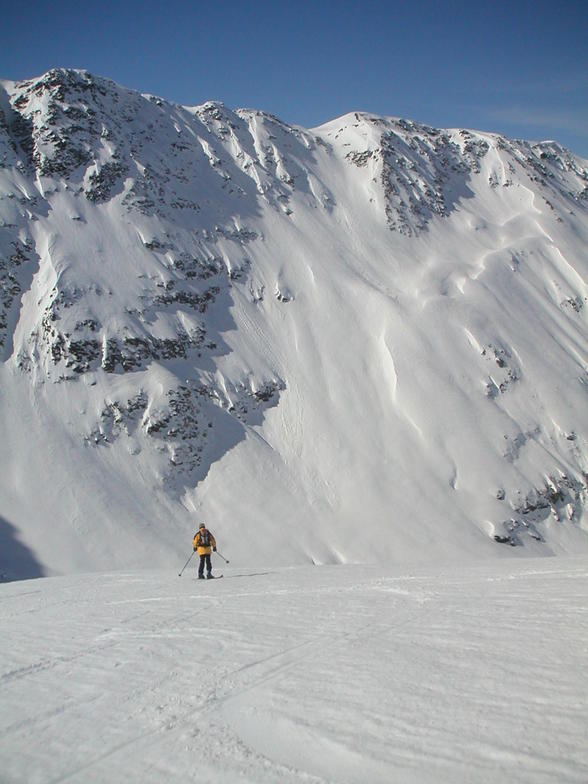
[214, 548]
[195, 548]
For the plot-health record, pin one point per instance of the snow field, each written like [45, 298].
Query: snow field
[341, 674]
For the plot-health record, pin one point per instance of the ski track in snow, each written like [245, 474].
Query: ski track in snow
[335, 674]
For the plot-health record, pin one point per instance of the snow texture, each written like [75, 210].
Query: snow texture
[341, 674]
[364, 342]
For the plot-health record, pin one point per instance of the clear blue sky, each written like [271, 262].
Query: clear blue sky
[517, 67]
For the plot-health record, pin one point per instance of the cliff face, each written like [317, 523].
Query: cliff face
[363, 341]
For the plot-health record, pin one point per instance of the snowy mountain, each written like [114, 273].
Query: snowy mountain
[362, 342]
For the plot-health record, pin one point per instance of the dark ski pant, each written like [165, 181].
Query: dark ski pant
[204, 559]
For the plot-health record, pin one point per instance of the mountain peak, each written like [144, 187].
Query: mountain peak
[374, 322]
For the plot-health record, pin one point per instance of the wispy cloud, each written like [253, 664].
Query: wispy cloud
[548, 86]
[570, 120]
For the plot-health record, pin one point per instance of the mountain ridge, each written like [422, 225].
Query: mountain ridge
[163, 269]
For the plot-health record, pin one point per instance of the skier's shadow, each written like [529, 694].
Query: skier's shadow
[252, 574]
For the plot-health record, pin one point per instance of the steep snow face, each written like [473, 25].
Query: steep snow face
[362, 342]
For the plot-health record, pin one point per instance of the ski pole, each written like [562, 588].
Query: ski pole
[226, 560]
[187, 562]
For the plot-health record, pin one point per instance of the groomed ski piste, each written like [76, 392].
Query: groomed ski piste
[346, 674]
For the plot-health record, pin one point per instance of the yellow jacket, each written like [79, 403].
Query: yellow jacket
[202, 549]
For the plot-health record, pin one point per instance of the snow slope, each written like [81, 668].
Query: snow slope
[362, 342]
[340, 674]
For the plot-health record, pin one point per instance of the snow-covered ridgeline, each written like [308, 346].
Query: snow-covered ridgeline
[374, 326]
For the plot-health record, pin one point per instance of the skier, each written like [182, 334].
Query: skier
[204, 541]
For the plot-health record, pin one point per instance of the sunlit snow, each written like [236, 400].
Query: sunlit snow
[342, 674]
